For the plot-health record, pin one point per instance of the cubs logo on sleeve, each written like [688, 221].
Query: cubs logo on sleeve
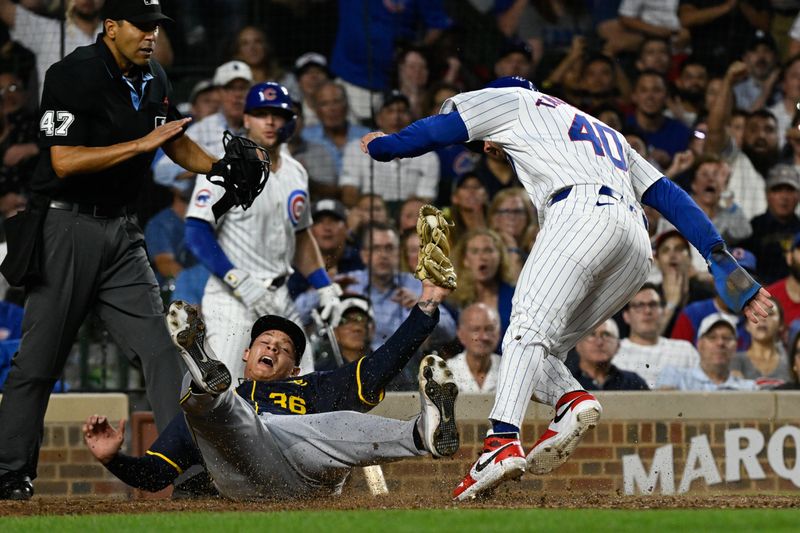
[202, 198]
[296, 205]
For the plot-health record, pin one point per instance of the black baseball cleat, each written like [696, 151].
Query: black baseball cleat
[15, 486]
[437, 396]
[188, 332]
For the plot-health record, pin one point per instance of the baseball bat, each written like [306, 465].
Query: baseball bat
[375, 480]
[373, 474]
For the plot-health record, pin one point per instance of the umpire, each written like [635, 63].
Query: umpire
[106, 108]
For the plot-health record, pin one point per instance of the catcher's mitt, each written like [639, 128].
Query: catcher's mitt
[243, 171]
[434, 248]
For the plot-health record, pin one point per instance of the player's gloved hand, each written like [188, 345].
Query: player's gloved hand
[734, 285]
[246, 288]
[330, 306]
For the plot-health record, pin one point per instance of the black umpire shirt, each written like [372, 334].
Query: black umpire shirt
[86, 101]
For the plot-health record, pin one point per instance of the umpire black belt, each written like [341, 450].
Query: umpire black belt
[563, 193]
[97, 211]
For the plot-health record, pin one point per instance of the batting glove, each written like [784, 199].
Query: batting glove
[330, 306]
[246, 288]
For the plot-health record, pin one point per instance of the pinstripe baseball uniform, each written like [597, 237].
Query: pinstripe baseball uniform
[593, 251]
[260, 241]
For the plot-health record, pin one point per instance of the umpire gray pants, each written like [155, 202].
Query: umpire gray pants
[95, 264]
[253, 456]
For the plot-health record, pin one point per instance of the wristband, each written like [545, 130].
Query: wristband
[319, 278]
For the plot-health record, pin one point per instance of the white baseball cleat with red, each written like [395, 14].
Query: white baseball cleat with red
[576, 412]
[502, 458]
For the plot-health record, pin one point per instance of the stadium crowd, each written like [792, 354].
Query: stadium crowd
[708, 91]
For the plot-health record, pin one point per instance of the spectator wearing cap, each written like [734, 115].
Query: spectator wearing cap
[476, 368]
[334, 130]
[786, 107]
[329, 228]
[774, 230]
[233, 79]
[758, 89]
[676, 279]
[363, 53]
[311, 71]
[353, 331]
[716, 344]
[689, 320]
[204, 100]
[787, 290]
[707, 185]
[594, 369]
[515, 59]
[645, 351]
[766, 360]
[394, 180]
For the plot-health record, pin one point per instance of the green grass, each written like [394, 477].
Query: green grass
[493, 520]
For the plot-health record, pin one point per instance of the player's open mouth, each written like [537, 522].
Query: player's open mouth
[146, 51]
[267, 361]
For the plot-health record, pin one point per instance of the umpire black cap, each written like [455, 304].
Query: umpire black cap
[275, 322]
[134, 11]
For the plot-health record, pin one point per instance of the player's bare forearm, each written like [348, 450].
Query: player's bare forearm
[307, 257]
[190, 155]
[432, 295]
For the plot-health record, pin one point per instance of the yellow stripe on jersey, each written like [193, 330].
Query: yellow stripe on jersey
[167, 459]
[186, 397]
[253, 396]
[360, 394]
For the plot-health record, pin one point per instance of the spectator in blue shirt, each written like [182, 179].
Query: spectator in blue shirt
[665, 136]
[334, 130]
[594, 370]
[165, 242]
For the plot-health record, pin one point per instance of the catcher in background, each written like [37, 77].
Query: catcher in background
[249, 450]
[251, 248]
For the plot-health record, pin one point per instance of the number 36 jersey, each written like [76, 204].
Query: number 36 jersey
[552, 144]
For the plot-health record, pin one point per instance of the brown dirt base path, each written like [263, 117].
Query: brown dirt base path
[508, 499]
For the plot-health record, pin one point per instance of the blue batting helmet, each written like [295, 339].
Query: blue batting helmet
[275, 96]
[511, 81]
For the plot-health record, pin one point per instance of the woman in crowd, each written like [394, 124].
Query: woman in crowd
[484, 274]
[412, 78]
[468, 206]
[766, 360]
[252, 47]
[409, 250]
[513, 217]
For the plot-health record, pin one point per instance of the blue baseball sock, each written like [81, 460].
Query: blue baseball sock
[503, 427]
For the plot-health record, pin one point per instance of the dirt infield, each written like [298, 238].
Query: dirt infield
[510, 499]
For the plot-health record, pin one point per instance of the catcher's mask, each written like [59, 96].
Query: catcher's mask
[273, 95]
[249, 170]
